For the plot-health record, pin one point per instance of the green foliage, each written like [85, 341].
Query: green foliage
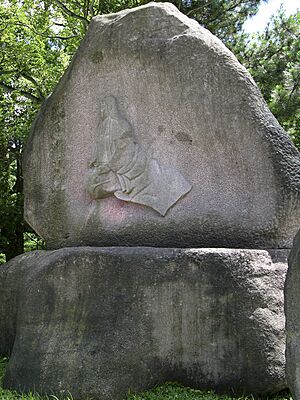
[273, 58]
[33, 242]
[31, 57]
[31, 64]
[224, 18]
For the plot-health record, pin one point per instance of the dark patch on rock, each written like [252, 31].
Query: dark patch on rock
[184, 137]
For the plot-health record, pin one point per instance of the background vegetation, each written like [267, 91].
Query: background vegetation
[39, 37]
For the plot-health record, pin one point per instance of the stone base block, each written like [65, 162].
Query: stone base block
[100, 321]
[292, 313]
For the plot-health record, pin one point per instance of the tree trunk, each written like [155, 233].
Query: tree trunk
[15, 232]
[15, 245]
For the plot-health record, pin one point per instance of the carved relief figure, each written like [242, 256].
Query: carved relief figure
[121, 167]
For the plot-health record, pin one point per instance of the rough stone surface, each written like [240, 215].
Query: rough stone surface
[216, 169]
[292, 313]
[100, 321]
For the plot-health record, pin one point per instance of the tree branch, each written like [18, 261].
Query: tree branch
[295, 86]
[28, 95]
[227, 10]
[9, 72]
[46, 35]
[198, 8]
[28, 78]
[91, 8]
[32, 80]
[71, 13]
[59, 24]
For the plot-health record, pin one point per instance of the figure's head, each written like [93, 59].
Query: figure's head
[108, 106]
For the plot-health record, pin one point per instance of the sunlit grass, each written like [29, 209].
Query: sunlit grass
[174, 391]
[167, 391]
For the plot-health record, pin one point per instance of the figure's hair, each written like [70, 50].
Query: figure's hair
[111, 103]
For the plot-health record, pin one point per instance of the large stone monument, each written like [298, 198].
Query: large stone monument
[156, 142]
[157, 136]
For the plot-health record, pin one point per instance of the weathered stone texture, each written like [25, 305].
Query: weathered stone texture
[188, 106]
[100, 321]
[292, 313]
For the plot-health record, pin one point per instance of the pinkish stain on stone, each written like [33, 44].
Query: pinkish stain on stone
[117, 210]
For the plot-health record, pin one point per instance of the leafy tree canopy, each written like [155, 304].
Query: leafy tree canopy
[31, 64]
[273, 58]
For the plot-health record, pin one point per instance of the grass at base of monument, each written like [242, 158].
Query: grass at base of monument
[167, 391]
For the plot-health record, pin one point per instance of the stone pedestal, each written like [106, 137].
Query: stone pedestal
[100, 321]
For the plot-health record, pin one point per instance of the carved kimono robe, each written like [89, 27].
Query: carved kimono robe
[123, 168]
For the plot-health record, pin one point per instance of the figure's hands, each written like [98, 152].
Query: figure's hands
[101, 184]
[93, 164]
[103, 169]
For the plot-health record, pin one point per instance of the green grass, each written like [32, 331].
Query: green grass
[167, 391]
[12, 395]
[174, 391]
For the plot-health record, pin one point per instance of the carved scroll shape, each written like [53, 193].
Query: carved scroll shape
[122, 167]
